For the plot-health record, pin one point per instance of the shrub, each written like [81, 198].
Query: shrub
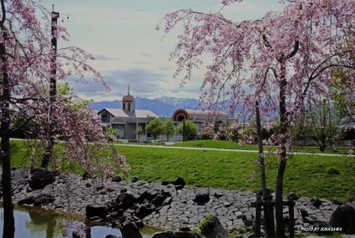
[333, 171]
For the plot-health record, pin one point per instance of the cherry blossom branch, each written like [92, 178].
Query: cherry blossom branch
[3, 14]
[318, 70]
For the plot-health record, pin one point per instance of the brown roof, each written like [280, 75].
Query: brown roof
[128, 97]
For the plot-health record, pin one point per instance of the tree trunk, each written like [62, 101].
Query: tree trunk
[9, 221]
[268, 210]
[261, 152]
[323, 125]
[280, 226]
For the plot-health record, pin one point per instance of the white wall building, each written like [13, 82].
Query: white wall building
[127, 119]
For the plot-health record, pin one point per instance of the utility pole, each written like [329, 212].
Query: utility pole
[52, 91]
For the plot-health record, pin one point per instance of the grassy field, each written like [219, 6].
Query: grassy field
[215, 144]
[331, 177]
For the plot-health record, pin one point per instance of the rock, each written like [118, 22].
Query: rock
[40, 178]
[202, 198]
[163, 193]
[179, 183]
[86, 175]
[100, 187]
[27, 201]
[293, 197]
[140, 224]
[130, 230]
[304, 212]
[344, 217]
[321, 227]
[93, 211]
[217, 195]
[86, 232]
[40, 200]
[158, 201]
[88, 184]
[167, 201]
[165, 183]
[111, 236]
[116, 179]
[142, 212]
[176, 234]
[211, 227]
[126, 200]
[316, 202]
[43, 199]
[248, 222]
[76, 234]
[309, 220]
[146, 196]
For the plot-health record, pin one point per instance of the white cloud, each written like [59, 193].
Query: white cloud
[143, 83]
[122, 36]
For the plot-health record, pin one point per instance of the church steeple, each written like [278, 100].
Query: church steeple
[128, 102]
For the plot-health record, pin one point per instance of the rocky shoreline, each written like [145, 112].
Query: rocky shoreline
[169, 205]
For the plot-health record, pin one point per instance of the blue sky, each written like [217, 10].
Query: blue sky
[121, 35]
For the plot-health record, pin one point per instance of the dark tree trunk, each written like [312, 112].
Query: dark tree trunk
[323, 125]
[261, 151]
[280, 226]
[268, 210]
[9, 221]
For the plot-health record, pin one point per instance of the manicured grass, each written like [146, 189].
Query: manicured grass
[330, 177]
[199, 168]
[215, 144]
[306, 175]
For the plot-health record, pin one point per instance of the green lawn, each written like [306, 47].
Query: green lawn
[215, 144]
[306, 175]
[326, 177]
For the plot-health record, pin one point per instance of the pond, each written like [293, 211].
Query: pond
[37, 223]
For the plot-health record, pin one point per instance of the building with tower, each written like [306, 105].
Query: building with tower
[130, 122]
[199, 117]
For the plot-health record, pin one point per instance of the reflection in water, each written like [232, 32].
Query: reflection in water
[42, 219]
[35, 223]
[32, 224]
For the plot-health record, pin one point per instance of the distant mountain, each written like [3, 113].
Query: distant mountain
[98, 106]
[187, 103]
[166, 106]
[162, 106]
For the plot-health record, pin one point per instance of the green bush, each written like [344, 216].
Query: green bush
[333, 171]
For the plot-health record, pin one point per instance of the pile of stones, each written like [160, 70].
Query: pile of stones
[169, 205]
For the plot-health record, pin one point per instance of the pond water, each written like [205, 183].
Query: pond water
[36, 223]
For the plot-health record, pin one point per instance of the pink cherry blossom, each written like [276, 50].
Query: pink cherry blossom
[282, 60]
